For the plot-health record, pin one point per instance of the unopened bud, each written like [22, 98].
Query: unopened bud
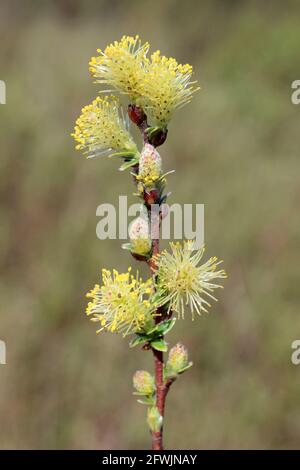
[151, 197]
[149, 165]
[143, 382]
[139, 235]
[178, 358]
[157, 137]
[136, 114]
[154, 419]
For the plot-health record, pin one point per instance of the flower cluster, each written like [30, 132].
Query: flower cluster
[159, 85]
[167, 86]
[100, 129]
[122, 303]
[121, 66]
[181, 281]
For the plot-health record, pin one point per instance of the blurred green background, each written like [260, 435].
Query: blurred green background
[235, 148]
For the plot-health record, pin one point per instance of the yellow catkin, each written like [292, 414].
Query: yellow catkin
[122, 303]
[122, 65]
[100, 128]
[183, 281]
[158, 84]
[166, 87]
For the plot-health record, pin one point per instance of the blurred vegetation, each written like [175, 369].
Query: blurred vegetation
[235, 148]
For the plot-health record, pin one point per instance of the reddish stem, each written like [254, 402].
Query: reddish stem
[162, 388]
[157, 437]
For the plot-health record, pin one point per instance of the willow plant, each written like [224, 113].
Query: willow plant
[156, 86]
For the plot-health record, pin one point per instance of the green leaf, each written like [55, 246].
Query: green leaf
[166, 326]
[127, 246]
[128, 165]
[170, 172]
[141, 394]
[153, 130]
[162, 328]
[147, 401]
[138, 340]
[169, 374]
[185, 368]
[159, 345]
[124, 154]
[156, 297]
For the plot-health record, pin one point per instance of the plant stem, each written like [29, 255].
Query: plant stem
[161, 394]
[157, 437]
[162, 388]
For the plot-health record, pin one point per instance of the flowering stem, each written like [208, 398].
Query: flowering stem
[162, 388]
[157, 437]
[156, 86]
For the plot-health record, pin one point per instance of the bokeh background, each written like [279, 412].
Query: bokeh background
[235, 148]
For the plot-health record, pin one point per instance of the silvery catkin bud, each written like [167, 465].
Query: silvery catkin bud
[178, 358]
[150, 166]
[143, 382]
[139, 234]
[154, 419]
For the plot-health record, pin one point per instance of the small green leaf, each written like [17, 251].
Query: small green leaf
[151, 131]
[166, 326]
[162, 328]
[159, 345]
[156, 297]
[123, 154]
[127, 246]
[147, 401]
[138, 340]
[170, 374]
[185, 368]
[128, 165]
[170, 172]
